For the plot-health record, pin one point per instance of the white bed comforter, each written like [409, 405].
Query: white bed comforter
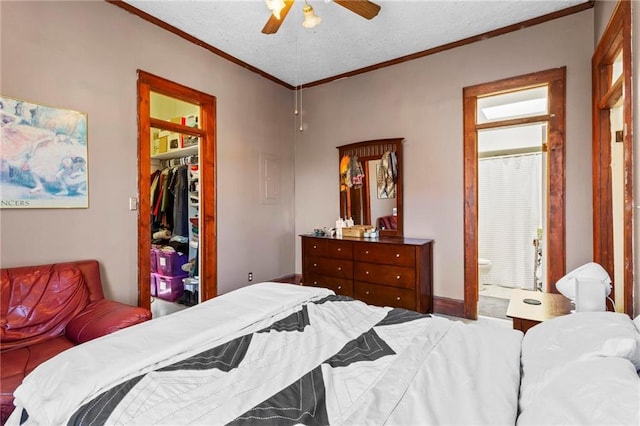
[350, 363]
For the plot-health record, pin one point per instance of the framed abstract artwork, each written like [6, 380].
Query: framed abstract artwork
[43, 156]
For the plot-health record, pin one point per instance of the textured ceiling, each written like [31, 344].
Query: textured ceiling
[343, 42]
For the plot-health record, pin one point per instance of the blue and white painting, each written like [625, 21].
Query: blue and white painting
[43, 156]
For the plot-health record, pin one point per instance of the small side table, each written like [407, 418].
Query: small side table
[525, 315]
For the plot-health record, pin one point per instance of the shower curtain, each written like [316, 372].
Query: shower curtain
[509, 214]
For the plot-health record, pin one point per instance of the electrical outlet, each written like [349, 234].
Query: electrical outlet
[250, 277]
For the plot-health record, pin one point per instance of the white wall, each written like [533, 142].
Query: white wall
[84, 56]
[603, 9]
[421, 101]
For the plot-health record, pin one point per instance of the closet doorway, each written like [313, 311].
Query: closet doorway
[176, 133]
[514, 126]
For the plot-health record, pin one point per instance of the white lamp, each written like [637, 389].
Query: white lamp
[310, 17]
[587, 287]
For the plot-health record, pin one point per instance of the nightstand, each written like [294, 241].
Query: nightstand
[527, 315]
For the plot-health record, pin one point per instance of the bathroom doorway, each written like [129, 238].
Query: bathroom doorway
[514, 189]
[511, 206]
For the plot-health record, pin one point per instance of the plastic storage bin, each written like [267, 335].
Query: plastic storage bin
[170, 263]
[154, 291]
[154, 260]
[169, 288]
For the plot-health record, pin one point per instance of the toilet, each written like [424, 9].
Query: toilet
[484, 265]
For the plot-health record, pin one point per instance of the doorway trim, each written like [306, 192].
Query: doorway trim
[555, 170]
[208, 243]
[616, 38]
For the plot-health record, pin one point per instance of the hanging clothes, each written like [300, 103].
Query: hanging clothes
[167, 199]
[393, 166]
[345, 179]
[170, 196]
[356, 172]
[180, 190]
[157, 207]
[384, 177]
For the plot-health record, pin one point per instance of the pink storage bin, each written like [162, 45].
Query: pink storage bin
[154, 260]
[169, 288]
[170, 263]
[154, 291]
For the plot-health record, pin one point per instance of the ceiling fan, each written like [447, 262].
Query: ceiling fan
[364, 8]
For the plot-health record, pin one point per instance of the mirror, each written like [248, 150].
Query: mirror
[371, 184]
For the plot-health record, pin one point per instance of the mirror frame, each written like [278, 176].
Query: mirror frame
[373, 150]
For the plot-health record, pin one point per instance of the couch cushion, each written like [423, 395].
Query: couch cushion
[18, 362]
[37, 302]
[104, 317]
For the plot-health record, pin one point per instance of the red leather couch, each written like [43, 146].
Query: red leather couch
[47, 309]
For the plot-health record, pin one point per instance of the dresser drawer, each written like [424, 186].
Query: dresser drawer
[389, 254]
[314, 247]
[381, 295]
[342, 286]
[395, 276]
[332, 267]
[340, 249]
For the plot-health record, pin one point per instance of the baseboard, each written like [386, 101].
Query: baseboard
[446, 306]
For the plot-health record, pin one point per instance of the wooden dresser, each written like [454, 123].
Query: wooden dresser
[395, 272]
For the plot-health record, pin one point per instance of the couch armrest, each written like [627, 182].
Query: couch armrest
[103, 317]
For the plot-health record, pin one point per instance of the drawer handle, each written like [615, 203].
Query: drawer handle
[367, 272]
[339, 287]
[315, 247]
[315, 283]
[398, 298]
[315, 264]
[397, 277]
[339, 268]
[366, 292]
[366, 252]
[397, 254]
[339, 249]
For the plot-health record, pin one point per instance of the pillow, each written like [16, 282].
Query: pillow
[587, 392]
[569, 337]
[552, 345]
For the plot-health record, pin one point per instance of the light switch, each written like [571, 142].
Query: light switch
[133, 203]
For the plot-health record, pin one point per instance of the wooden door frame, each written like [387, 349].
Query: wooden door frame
[555, 170]
[208, 243]
[616, 38]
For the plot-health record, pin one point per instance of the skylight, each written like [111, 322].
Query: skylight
[522, 103]
[516, 109]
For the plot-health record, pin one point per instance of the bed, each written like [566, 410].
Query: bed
[274, 353]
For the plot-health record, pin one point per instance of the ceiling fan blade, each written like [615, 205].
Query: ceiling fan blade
[273, 24]
[364, 8]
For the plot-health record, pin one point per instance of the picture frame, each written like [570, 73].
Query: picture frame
[43, 160]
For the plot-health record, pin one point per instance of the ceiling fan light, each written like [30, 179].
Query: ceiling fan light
[275, 6]
[310, 17]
